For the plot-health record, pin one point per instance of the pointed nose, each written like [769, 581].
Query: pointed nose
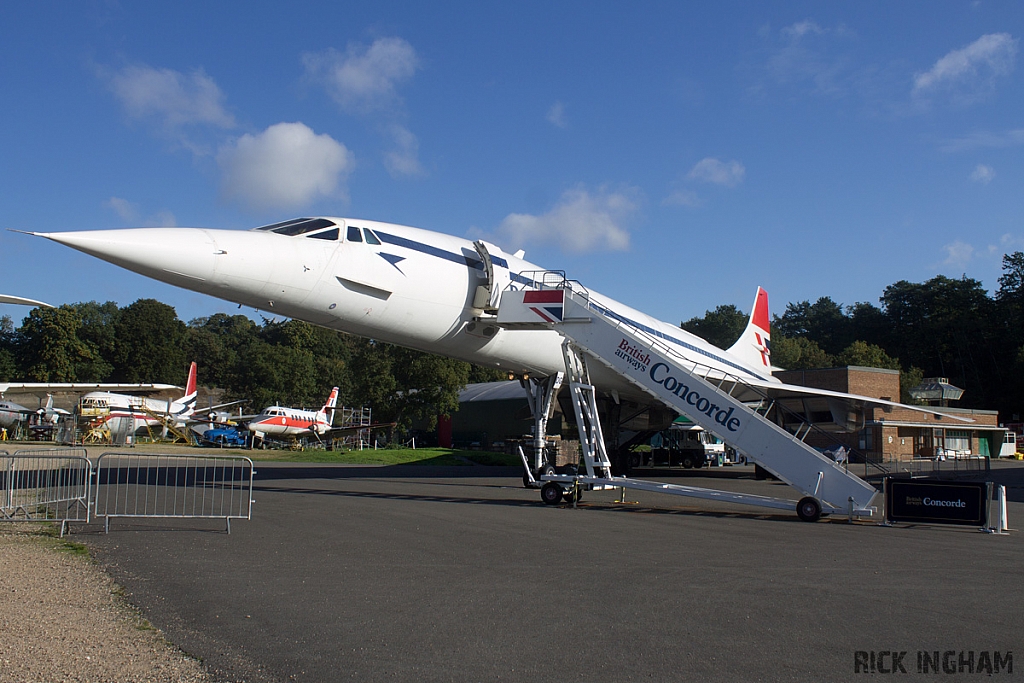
[184, 257]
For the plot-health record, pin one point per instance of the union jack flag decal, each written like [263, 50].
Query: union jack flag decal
[547, 303]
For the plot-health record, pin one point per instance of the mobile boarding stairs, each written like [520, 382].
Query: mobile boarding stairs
[707, 396]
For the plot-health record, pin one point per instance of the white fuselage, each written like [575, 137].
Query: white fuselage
[281, 422]
[125, 414]
[12, 413]
[415, 288]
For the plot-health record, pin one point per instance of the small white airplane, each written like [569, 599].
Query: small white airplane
[126, 414]
[424, 290]
[291, 423]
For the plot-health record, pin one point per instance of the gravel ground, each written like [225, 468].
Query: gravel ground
[63, 619]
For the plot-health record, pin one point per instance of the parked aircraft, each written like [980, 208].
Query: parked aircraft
[125, 414]
[12, 413]
[290, 423]
[424, 290]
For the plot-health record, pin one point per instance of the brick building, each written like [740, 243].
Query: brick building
[890, 433]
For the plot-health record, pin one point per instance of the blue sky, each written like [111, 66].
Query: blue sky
[671, 155]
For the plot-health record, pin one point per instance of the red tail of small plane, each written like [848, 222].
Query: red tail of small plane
[189, 399]
[332, 402]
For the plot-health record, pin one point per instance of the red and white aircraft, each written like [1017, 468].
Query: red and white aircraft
[291, 423]
[127, 414]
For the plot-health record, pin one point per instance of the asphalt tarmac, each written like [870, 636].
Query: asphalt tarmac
[460, 574]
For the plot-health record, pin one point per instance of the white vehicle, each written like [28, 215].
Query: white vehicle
[690, 446]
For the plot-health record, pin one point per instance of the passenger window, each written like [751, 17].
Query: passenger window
[354, 235]
[370, 237]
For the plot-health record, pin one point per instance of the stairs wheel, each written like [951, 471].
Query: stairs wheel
[808, 509]
[551, 493]
[572, 493]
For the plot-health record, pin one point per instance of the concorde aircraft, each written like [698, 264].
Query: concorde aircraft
[420, 289]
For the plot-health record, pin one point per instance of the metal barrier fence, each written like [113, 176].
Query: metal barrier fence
[47, 484]
[163, 486]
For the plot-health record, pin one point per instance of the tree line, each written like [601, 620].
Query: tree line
[287, 362]
[944, 327]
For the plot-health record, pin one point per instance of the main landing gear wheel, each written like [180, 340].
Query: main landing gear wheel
[808, 509]
[551, 493]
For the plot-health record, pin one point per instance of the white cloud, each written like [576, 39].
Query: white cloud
[805, 52]
[123, 208]
[958, 254]
[983, 174]
[581, 222]
[970, 71]
[161, 219]
[403, 159]
[285, 166]
[985, 139]
[129, 213]
[556, 115]
[364, 80]
[802, 28]
[711, 170]
[171, 97]
[681, 196]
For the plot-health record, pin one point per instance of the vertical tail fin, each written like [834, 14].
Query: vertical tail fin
[189, 399]
[332, 402]
[754, 345]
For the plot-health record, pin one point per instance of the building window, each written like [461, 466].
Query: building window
[866, 442]
[957, 440]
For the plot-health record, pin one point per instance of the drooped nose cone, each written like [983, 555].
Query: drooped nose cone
[178, 256]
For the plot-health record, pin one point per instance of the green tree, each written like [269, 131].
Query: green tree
[149, 344]
[8, 364]
[721, 327]
[866, 355]
[48, 347]
[402, 385]
[945, 326]
[798, 353]
[98, 330]
[823, 321]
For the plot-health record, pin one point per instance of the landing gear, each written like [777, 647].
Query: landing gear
[808, 509]
[551, 493]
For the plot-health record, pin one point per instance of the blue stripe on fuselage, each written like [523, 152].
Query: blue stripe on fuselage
[461, 259]
[516, 277]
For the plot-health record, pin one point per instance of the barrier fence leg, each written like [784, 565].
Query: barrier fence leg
[1001, 493]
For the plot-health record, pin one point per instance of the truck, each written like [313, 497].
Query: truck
[223, 437]
[685, 444]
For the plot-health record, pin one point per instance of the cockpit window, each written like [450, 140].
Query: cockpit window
[370, 237]
[330, 235]
[354, 235]
[297, 226]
